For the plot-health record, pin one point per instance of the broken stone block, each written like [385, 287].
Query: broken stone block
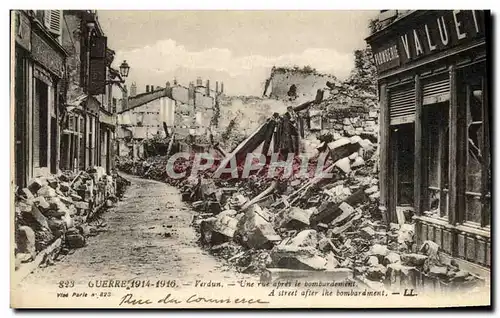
[57, 226]
[358, 162]
[294, 257]
[342, 148]
[35, 184]
[331, 261]
[344, 164]
[52, 182]
[296, 218]
[372, 261]
[27, 194]
[24, 206]
[109, 203]
[306, 238]
[375, 196]
[46, 191]
[353, 156]
[406, 233]
[346, 208]
[392, 258]
[367, 233]
[376, 272]
[42, 204]
[413, 259]
[26, 241]
[75, 240]
[393, 226]
[371, 189]
[399, 275]
[225, 225]
[438, 270]
[380, 251]
[64, 187]
[39, 217]
[57, 208]
[239, 199]
[255, 229]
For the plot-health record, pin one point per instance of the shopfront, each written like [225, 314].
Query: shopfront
[435, 129]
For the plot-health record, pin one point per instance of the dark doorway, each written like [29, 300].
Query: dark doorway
[403, 137]
[20, 121]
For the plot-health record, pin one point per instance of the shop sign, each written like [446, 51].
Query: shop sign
[436, 32]
[44, 54]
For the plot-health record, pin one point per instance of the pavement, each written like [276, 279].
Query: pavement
[148, 237]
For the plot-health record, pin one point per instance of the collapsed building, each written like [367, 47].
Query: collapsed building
[308, 225]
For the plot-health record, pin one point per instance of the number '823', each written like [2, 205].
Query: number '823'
[66, 283]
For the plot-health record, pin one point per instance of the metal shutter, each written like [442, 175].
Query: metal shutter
[436, 91]
[402, 105]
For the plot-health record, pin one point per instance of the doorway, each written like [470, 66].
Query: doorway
[403, 158]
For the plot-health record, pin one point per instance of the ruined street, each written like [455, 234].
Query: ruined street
[148, 236]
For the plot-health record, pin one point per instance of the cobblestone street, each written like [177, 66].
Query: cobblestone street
[136, 244]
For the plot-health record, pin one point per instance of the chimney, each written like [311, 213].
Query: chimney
[147, 88]
[207, 86]
[191, 93]
[151, 88]
[199, 81]
[216, 87]
[175, 81]
[133, 89]
[167, 85]
[222, 87]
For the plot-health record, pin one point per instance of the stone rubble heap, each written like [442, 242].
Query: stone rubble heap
[62, 206]
[309, 224]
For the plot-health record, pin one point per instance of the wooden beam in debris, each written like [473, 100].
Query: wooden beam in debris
[319, 98]
[248, 145]
[261, 195]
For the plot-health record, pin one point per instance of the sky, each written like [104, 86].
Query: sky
[238, 48]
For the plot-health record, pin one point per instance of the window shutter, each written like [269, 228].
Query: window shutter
[436, 91]
[402, 105]
[53, 21]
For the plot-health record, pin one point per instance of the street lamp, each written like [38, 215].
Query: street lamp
[124, 68]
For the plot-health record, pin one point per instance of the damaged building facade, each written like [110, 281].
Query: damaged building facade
[63, 93]
[435, 130]
[173, 110]
[64, 129]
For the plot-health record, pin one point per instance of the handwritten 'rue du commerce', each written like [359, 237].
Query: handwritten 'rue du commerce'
[130, 299]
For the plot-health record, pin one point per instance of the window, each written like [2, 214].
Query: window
[53, 21]
[437, 143]
[477, 152]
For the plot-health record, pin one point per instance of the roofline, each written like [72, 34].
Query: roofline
[385, 30]
[165, 94]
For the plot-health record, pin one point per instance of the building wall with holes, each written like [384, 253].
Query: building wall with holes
[306, 84]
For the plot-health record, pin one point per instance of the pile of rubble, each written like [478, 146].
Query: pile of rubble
[303, 221]
[62, 206]
[315, 225]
